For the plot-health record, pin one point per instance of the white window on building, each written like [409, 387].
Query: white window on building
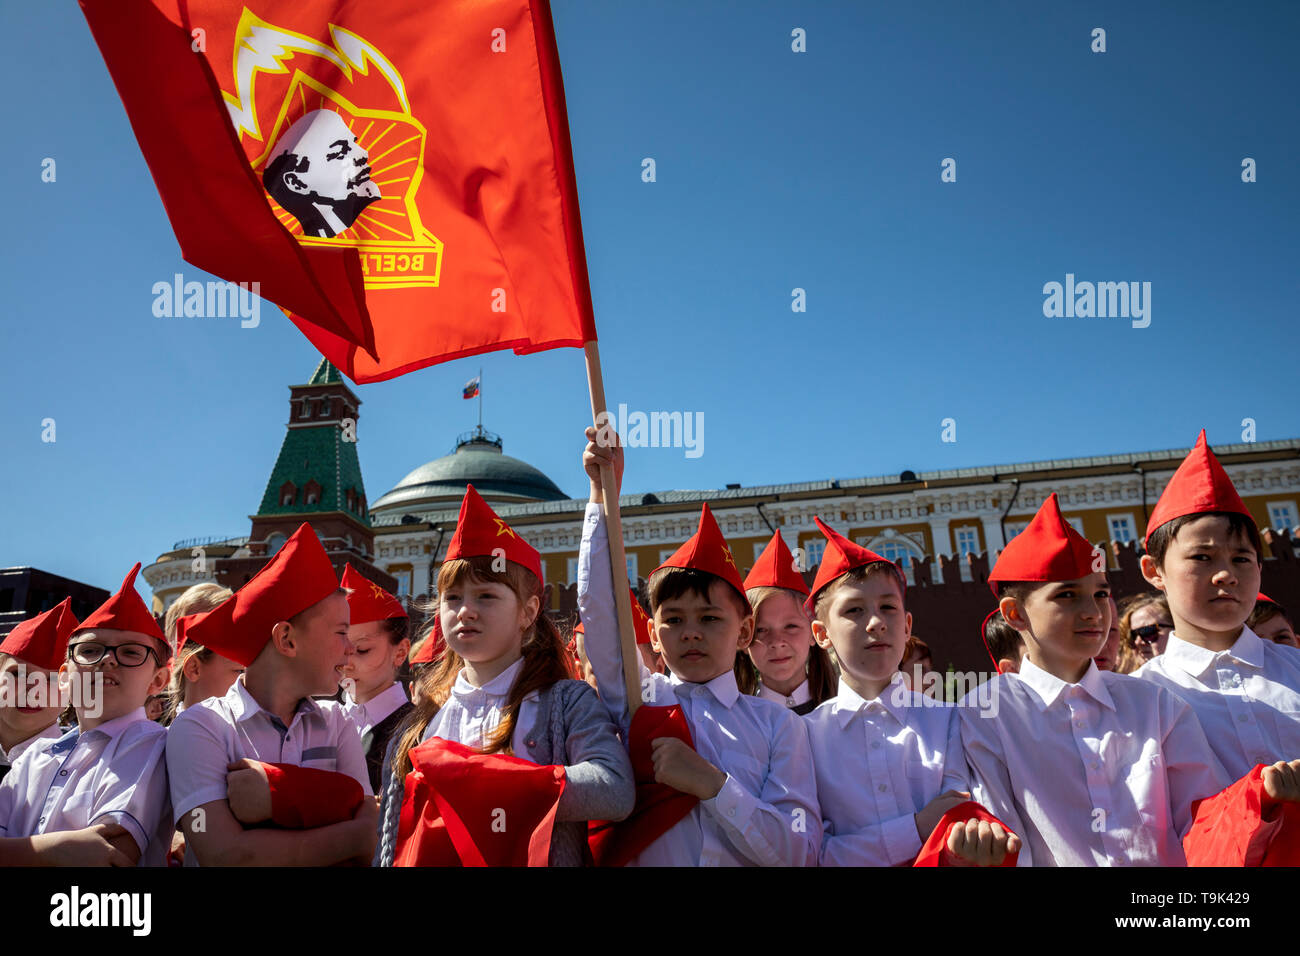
[1122, 528]
[1282, 516]
[631, 569]
[813, 550]
[897, 552]
[573, 570]
[1014, 528]
[403, 583]
[306, 410]
[758, 551]
[1076, 524]
[968, 541]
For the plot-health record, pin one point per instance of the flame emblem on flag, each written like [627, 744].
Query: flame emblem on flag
[335, 171]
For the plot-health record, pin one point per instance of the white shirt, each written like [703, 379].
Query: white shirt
[221, 730]
[115, 773]
[8, 757]
[471, 714]
[766, 813]
[1247, 698]
[1098, 773]
[878, 763]
[802, 694]
[379, 707]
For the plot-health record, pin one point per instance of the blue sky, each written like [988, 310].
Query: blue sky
[775, 170]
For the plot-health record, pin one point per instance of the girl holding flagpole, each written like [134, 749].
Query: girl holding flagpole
[507, 757]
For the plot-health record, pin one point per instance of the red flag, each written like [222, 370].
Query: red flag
[1243, 826]
[658, 806]
[464, 808]
[935, 850]
[399, 177]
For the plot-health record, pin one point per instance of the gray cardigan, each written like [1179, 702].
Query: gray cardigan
[573, 729]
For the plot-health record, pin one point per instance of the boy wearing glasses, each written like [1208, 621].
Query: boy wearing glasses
[98, 794]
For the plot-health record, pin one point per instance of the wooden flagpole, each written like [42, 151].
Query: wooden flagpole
[614, 526]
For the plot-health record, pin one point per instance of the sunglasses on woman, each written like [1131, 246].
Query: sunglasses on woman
[1147, 632]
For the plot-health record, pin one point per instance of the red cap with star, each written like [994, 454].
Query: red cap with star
[775, 569]
[1049, 549]
[707, 550]
[1199, 485]
[840, 557]
[125, 611]
[368, 601]
[299, 576]
[481, 534]
[43, 640]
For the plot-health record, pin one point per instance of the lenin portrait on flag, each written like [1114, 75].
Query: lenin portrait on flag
[321, 174]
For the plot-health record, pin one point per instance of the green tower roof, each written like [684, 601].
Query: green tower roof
[318, 449]
[325, 374]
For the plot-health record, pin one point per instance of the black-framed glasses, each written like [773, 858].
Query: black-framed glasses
[126, 655]
[1148, 632]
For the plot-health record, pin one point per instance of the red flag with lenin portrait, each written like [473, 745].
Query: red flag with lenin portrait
[397, 176]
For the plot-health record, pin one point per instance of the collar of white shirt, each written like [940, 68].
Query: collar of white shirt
[52, 732]
[384, 703]
[849, 703]
[801, 695]
[498, 686]
[109, 728]
[1248, 649]
[1047, 688]
[244, 707]
[723, 688]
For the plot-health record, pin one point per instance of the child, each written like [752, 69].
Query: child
[1003, 642]
[502, 690]
[917, 662]
[739, 771]
[889, 762]
[1107, 658]
[288, 627]
[30, 657]
[198, 672]
[110, 768]
[1202, 551]
[1144, 629]
[783, 663]
[1092, 768]
[1271, 622]
[378, 633]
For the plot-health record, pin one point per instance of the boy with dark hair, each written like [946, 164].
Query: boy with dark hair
[1090, 767]
[1203, 552]
[734, 772]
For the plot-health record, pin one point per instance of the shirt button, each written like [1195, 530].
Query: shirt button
[731, 811]
[884, 787]
[63, 773]
[1093, 765]
[532, 743]
[1243, 718]
[875, 745]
